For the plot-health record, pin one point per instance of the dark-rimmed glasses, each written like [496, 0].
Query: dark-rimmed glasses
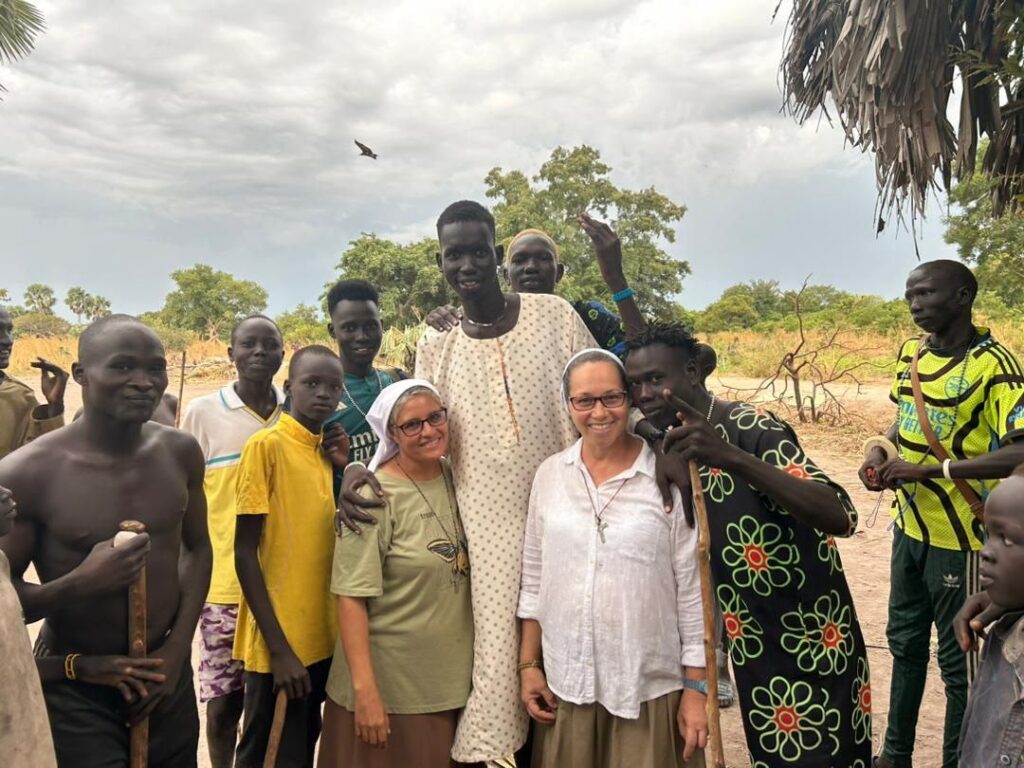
[413, 427]
[608, 400]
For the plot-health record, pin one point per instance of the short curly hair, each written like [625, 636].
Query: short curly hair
[670, 334]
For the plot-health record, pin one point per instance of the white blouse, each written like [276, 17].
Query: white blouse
[621, 617]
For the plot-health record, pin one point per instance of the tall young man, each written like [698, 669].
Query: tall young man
[222, 422]
[74, 487]
[22, 418]
[973, 391]
[500, 373]
[353, 306]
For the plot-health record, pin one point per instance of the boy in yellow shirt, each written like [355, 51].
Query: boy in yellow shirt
[284, 543]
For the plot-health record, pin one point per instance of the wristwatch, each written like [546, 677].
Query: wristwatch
[701, 686]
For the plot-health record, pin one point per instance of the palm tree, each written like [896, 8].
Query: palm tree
[889, 68]
[20, 22]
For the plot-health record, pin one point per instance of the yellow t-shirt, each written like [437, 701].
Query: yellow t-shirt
[222, 423]
[284, 475]
[974, 405]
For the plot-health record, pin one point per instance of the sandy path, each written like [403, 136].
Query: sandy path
[865, 559]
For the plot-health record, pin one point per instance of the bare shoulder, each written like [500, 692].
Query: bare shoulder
[181, 444]
[38, 464]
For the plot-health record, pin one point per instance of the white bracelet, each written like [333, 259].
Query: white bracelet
[945, 469]
[353, 464]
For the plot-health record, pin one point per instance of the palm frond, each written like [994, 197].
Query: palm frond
[20, 22]
[888, 66]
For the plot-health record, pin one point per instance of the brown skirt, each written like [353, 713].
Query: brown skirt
[588, 736]
[416, 741]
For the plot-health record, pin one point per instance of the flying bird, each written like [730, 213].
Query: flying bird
[365, 151]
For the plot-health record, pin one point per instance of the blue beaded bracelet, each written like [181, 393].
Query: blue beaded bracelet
[701, 686]
[625, 293]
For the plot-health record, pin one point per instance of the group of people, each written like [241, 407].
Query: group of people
[493, 561]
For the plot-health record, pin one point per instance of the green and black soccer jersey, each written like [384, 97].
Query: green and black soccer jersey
[974, 404]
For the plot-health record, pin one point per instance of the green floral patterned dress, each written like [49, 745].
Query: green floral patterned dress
[800, 663]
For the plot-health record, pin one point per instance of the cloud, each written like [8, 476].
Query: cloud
[141, 137]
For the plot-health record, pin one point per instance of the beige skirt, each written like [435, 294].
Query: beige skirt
[587, 736]
[416, 741]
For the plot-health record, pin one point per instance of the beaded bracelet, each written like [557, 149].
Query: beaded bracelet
[69, 666]
[625, 293]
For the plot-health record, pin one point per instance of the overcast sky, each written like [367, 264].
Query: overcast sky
[142, 137]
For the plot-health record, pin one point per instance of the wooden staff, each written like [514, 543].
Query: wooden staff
[139, 743]
[276, 727]
[707, 599]
[181, 390]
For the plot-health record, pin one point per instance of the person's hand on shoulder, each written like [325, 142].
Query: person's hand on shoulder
[444, 319]
[351, 503]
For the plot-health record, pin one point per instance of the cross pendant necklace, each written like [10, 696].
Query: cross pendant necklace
[599, 522]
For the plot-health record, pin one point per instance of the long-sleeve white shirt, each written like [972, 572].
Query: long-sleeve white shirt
[619, 617]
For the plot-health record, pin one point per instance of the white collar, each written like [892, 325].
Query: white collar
[231, 400]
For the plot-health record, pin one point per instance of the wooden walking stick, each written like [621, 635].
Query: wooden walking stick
[181, 390]
[276, 727]
[707, 599]
[139, 743]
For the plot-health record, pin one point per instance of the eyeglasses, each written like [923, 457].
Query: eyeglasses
[415, 426]
[587, 402]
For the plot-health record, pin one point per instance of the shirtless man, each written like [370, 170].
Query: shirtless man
[74, 486]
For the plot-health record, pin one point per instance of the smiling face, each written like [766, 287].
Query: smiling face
[122, 371]
[432, 441]
[257, 349]
[314, 385]
[532, 266]
[6, 338]
[652, 369]
[936, 298]
[468, 259]
[356, 326]
[599, 425]
[1002, 557]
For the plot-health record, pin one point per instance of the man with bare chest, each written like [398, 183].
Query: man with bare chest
[74, 487]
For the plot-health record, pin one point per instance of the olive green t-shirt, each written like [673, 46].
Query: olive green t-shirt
[418, 603]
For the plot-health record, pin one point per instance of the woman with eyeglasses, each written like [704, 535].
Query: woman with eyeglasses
[402, 667]
[611, 659]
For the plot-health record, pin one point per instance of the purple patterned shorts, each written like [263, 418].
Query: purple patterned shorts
[219, 674]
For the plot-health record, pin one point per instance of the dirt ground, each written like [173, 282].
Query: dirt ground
[865, 558]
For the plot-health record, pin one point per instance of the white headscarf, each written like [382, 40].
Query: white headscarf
[380, 414]
[594, 350]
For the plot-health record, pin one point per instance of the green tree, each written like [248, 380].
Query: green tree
[40, 324]
[575, 180]
[729, 313]
[407, 277]
[5, 296]
[96, 307]
[764, 295]
[209, 301]
[303, 325]
[20, 22]
[77, 300]
[40, 299]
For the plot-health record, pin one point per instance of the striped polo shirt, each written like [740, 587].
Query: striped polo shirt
[222, 424]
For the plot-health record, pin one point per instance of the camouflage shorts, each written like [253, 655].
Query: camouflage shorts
[219, 674]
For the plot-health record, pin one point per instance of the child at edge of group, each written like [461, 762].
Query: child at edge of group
[993, 727]
[354, 309]
[284, 545]
[222, 422]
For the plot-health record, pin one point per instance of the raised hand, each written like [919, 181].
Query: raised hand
[53, 380]
[336, 444]
[697, 440]
[608, 250]
[351, 503]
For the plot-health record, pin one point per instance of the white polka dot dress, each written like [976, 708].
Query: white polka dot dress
[505, 417]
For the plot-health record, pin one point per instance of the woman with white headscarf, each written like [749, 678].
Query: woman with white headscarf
[611, 659]
[402, 668]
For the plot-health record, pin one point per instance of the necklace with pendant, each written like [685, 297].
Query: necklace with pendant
[599, 521]
[453, 549]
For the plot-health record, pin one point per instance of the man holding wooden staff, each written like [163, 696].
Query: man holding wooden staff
[800, 663]
[74, 488]
[960, 427]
